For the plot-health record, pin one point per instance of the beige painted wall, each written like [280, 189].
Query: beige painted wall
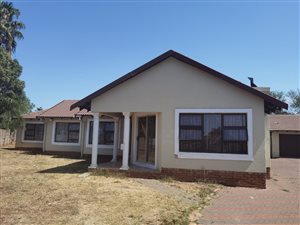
[20, 143]
[50, 146]
[173, 84]
[275, 141]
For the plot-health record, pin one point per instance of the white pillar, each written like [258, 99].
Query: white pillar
[126, 141]
[115, 150]
[95, 141]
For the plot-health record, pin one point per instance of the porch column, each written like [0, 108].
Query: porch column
[95, 140]
[115, 150]
[126, 141]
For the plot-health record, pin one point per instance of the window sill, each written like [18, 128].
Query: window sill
[214, 156]
[100, 146]
[32, 141]
[66, 143]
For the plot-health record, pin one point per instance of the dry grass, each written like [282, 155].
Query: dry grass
[43, 189]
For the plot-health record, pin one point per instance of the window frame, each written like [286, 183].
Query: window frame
[217, 156]
[23, 132]
[65, 143]
[88, 133]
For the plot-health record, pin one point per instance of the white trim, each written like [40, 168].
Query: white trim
[65, 143]
[134, 142]
[23, 132]
[87, 145]
[126, 141]
[218, 156]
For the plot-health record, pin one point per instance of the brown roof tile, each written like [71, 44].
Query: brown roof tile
[32, 115]
[61, 110]
[284, 122]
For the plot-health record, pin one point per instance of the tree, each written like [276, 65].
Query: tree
[281, 96]
[9, 27]
[13, 100]
[294, 97]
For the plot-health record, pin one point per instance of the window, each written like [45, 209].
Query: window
[106, 133]
[34, 132]
[67, 132]
[213, 133]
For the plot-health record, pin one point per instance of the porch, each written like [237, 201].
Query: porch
[134, 139]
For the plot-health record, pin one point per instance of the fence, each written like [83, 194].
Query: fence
[7, 137]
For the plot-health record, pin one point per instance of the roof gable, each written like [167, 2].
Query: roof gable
[271, 104]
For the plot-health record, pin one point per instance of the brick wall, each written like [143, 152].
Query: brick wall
[229, 178]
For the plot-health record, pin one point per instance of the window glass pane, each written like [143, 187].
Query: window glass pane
[74, 126]
[34, 132]
[106, 133]
[212, 133]
[61, 134]
[206, 133]
[190, 119]
[190, 134]
[73, 136]
[235, 147]
[190, 146]
[91, 132]
[39, 132]
[234, 120]
[29, 132]
[235, 135]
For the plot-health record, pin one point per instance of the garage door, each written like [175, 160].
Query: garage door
[289, 145]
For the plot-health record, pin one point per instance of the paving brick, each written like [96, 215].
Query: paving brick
[278, 204]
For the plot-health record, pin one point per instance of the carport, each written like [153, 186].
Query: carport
[285, 136]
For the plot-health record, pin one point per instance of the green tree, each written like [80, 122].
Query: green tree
[10, 27]
[294, 97]
[13, 101]
[281, 96]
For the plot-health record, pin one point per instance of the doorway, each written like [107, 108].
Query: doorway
[146, 140]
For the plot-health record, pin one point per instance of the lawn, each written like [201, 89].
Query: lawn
[45, 189]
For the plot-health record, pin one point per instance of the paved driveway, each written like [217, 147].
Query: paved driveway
[278, 204]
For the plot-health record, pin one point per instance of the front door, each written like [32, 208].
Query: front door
[146, 139]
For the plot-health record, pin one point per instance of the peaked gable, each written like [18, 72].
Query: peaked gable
[271, 104]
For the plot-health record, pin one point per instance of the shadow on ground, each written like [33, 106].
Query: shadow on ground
[76, 167]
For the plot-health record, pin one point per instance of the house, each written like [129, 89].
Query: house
[173, 115]
[60, 129]
[285, 135]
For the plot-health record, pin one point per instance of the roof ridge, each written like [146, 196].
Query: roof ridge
[51, 107]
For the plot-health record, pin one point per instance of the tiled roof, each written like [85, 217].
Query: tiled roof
[60, 110]
[32, 115]
[284, 122]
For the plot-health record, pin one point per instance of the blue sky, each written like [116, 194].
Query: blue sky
[72, 48]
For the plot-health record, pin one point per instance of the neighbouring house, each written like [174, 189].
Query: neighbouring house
[285, 135]
[172, 115]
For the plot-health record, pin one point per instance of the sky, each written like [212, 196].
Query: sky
[73, 48]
